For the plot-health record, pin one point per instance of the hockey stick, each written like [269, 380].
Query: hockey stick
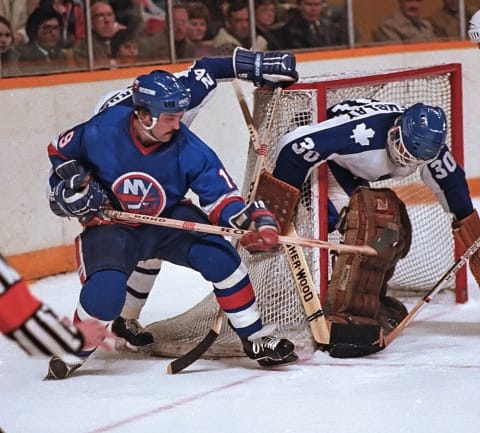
[444, 280]
[300, 271]
[370, 250]
[196, 352]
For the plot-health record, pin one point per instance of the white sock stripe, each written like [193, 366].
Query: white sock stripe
[83, 315]
[141, 283]
[237, 276]
[244, 318]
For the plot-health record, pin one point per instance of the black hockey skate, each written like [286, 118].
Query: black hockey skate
[269, 351]
[135, 336]
[270, 363]
[59, 368]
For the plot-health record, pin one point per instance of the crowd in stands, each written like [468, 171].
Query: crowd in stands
[48, 36]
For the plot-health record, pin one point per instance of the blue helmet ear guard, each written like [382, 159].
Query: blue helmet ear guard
[160, 92]
[424, 130]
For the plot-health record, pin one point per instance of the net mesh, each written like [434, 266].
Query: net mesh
[275, 288]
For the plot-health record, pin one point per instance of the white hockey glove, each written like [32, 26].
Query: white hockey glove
[78, 195]
[264, 236]
[269, 68]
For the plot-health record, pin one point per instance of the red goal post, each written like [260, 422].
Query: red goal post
[435, 85]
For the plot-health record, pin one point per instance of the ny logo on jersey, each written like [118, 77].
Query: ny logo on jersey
[140, 193]
[361, 134]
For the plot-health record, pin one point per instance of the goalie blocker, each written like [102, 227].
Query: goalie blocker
[357, 305]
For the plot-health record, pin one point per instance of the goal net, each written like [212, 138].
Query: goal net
[432, 252]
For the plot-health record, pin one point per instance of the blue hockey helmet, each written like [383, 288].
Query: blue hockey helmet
[160, 92]
[418, 135]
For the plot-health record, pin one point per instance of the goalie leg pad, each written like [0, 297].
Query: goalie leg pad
[280, 198]
[466, 232]
[357, 280]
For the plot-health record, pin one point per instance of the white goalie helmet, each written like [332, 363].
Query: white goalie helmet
[474, 28]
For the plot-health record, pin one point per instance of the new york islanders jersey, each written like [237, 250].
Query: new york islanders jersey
[147, 180]
[353, 142]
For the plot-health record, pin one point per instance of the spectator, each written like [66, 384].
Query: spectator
[124, 48]
[104, 26]
[184, 49]
[405, 25]
[307, 27]
[17, 12]
[265, 20]
[73, 19]
[43, 53]
[198, 24]
[236, 31]
[8, 53]
[445, 20]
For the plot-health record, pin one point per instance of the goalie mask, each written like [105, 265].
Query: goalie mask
[474, 28]
[160, 92]
[417, 135]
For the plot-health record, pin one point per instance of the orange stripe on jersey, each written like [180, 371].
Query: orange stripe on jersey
[236, 300]
[17, 305]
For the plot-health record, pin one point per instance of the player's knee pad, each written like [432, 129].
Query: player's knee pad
[214, 257]
[357, 281]
[103, 294]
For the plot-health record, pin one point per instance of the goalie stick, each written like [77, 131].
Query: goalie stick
[197, 351]
[444, 280]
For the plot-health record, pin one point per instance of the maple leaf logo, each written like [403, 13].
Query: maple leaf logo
[362, 135]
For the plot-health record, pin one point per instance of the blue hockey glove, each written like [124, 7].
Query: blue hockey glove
[265, 226]
[84, 203]
[269, 68]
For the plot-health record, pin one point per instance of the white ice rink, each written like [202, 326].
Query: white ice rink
[427, 381]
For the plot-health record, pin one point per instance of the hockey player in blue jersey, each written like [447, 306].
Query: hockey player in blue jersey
[269, 68]
[144, 160]
[364, 141]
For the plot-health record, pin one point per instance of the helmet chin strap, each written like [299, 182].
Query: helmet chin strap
[147, 129]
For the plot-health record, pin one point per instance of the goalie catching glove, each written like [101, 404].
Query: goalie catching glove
[270, 68]
[255, 216]
[78, 194]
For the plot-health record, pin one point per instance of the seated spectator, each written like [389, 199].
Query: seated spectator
[307, 27]
[104, 26]
[266, 22]
[43, 52]
[236, 30]
[184, 49]
[73, 19]
[17, 12]
[445, 20]
[124, 48]
[8, 53]
[198, 23]
[405, 25]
